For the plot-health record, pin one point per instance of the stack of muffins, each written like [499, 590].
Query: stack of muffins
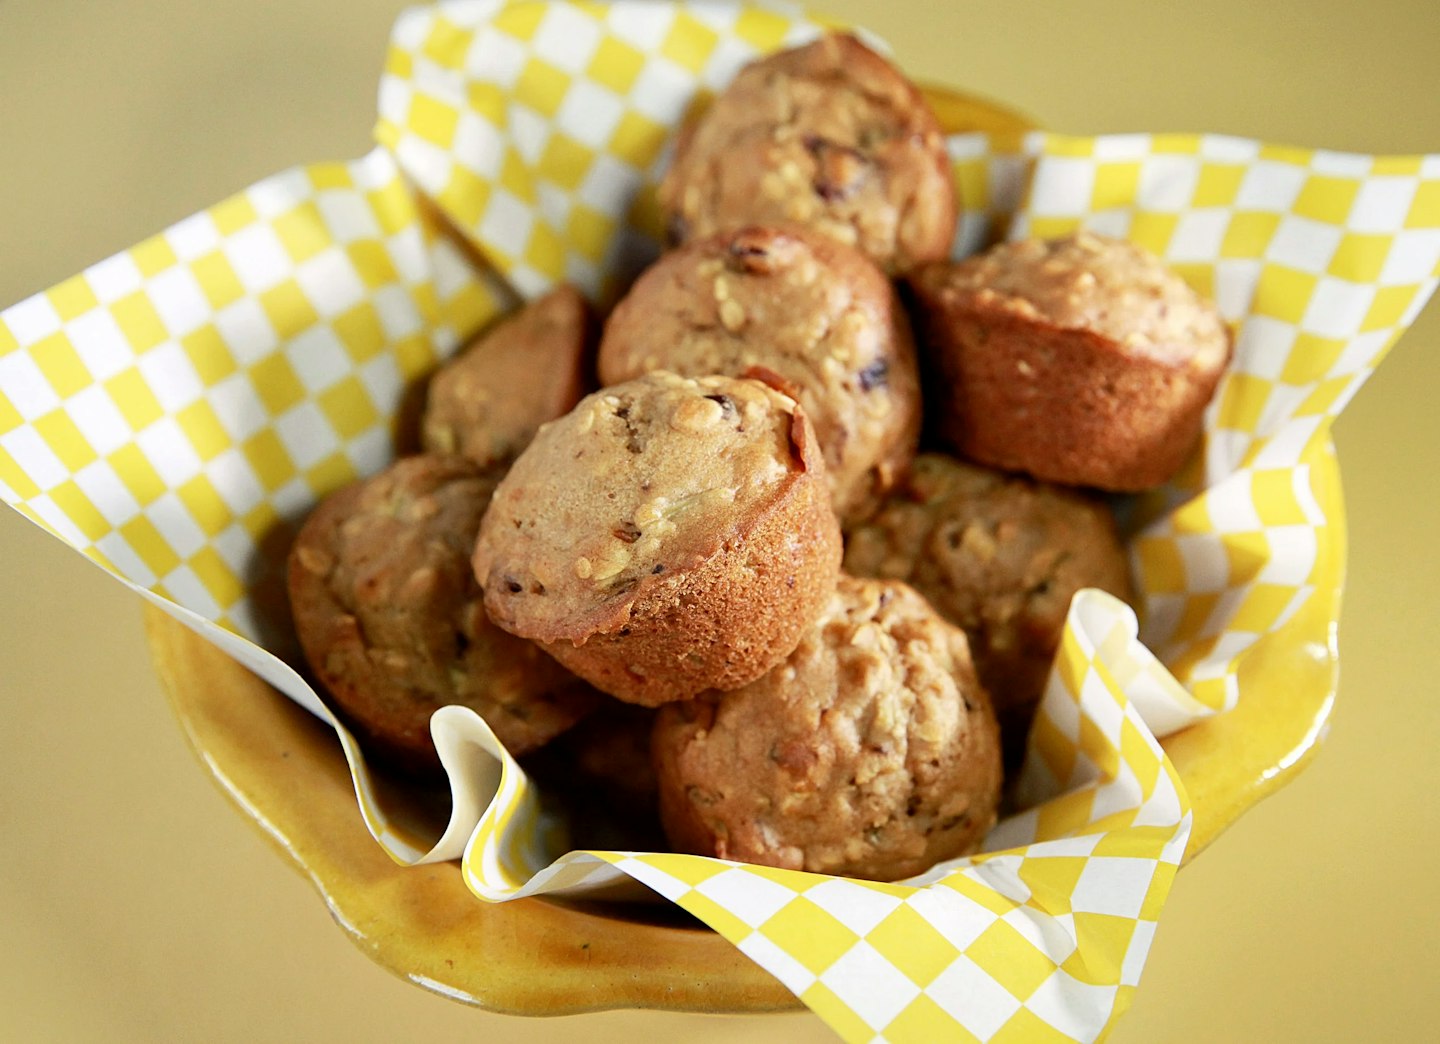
[725, 580]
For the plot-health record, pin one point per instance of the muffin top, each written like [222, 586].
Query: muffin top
[871, 752]
[828, 135]
[999, 555]
[640, 482]
[390, 617]
[531, 367]
[818, 314]
[1091, 282]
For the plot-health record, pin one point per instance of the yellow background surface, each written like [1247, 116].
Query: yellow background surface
[136, 905]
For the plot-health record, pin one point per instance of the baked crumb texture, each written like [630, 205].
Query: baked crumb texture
[1000, 556]
[391, 621]
[872, 751]
[1081, 360]
[816, 313]
[830, 136]
[530, 367]
[667, 536]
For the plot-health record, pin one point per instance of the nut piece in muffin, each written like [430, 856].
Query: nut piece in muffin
[999, 556]
[828, 135]
[531, 367]
[818, 314]
[871, 752]
[666, 536]
[391, 621]
[1081, 360]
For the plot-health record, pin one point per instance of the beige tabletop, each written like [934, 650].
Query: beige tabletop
[136, 905]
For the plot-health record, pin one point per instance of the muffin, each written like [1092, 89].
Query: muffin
[531, 367]
[999, 556]
[666, 536]
[599, 775]
[818, 314]
[828, 135]
[390, 617]
[610, 752]
[1081, 360]
[871, 752]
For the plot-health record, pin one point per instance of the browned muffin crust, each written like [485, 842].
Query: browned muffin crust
[871, 752]
[391, 621]
[828, 135]
[531, 367]
[818, 314]
[1081, 360]
[667, 536]
[1000, 556]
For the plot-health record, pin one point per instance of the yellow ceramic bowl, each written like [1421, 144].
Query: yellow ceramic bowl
[284, 770]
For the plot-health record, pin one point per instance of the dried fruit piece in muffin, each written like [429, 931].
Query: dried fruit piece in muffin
[828, 135]
[1081, 360]
[531, 367]
[668, 535]
[391, 621]
[1000, 556]
[818, 314]
[871, 752]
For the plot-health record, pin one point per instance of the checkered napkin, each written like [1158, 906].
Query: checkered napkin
[174, 411]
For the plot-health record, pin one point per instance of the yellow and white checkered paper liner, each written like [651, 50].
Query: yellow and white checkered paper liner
[172, 412]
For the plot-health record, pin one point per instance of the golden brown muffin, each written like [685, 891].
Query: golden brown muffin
[818, 314]
[999, 556]
[1081, 360]
[871, 752]
[391, 621]
[828, 135]
[668, 535]
[531, 367]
